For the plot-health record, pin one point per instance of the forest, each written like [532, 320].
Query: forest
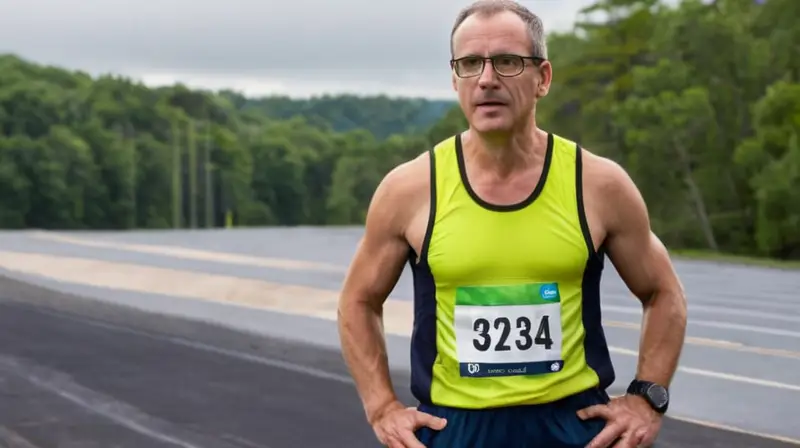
[700, 102]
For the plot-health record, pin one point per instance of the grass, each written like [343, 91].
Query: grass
[745, 260]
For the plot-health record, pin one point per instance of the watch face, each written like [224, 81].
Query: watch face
[658, 395]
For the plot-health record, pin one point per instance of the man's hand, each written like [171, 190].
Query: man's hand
[630, 422]
[395, 427]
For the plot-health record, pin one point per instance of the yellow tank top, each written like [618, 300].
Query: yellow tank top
[506, 303]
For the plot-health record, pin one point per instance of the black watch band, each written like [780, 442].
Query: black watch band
[656, 395]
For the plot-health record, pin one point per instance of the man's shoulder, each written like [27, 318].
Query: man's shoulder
[414, 176]
[407, 180]
[399, 194]
[604, 174]
[445, 144]
[608, 184]
[590, 161]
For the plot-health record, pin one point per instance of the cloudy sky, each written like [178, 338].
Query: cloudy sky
[294, 47]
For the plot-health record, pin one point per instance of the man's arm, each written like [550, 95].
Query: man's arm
[374, 271]
[644, 264]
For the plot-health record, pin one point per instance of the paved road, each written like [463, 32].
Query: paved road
[739, 368]
[123, 378]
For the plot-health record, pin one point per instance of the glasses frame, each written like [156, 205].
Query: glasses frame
[536, 61]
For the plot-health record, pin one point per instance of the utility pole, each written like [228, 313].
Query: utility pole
[192, 144]
[177, 190]
[133, 151]
[209, 195]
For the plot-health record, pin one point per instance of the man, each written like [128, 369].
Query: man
[505, 227]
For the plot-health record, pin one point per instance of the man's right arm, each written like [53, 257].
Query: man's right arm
[373, 273]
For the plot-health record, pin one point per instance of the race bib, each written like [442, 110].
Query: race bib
[508, 330]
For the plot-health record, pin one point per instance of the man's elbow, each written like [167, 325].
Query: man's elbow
[680, 312]
[351, 306]
[345, 309]
[670, 305]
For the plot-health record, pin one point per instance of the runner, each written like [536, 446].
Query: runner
[506, 228]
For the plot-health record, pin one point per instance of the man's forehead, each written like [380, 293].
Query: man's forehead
[503, 32]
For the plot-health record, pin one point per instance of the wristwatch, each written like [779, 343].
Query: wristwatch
[656, 395]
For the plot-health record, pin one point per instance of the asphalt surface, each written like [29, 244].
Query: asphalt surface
[130, 378]
[124, 378]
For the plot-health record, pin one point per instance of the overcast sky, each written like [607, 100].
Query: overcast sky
[294, 47]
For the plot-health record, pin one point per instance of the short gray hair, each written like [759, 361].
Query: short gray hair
[489, 8]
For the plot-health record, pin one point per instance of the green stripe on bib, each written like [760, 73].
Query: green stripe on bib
[505, 295]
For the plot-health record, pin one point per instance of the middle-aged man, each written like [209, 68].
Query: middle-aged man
[506, 227]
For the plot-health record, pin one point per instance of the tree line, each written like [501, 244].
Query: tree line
[78, 152]
[699, 102]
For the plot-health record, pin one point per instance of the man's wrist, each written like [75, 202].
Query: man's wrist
[377, 410]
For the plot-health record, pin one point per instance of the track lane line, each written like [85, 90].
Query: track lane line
[196, 254]
[735, 429]
[92, 401]
[256, 294]
[717, 343]
[61, 260]
[322, 374]
[12, 439]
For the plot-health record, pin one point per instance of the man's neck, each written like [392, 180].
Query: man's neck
[507, 153]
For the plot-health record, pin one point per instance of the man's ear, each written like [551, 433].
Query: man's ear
[544, 79]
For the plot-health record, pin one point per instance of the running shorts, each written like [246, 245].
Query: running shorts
[550, 425]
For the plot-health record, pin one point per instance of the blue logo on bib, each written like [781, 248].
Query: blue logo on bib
[548, 292]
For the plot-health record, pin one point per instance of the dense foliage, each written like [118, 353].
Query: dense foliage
[700, 103]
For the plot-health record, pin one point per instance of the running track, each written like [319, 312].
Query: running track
[78, 369]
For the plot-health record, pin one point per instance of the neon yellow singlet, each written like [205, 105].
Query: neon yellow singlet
[507, 308]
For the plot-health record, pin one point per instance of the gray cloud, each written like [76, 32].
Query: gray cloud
[389, 45]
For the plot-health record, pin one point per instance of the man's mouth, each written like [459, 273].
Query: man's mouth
[491, 103]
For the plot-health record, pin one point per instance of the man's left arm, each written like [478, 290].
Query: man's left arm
[645, 266]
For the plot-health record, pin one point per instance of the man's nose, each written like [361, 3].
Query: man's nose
[488, 76]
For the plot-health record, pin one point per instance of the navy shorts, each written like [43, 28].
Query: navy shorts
[551, 425]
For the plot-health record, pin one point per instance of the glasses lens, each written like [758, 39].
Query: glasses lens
[469, 66]
[508, 65]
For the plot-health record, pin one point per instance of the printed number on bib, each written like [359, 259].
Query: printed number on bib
[499, 341]
[508, 330]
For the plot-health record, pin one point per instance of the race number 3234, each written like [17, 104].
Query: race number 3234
[508, 330]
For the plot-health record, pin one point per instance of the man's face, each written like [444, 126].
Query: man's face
[491, 102]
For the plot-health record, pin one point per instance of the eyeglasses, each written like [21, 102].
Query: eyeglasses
[504, 64]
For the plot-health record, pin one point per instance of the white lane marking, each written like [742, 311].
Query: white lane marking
[765, 309]
[707, 323]
[717, 343]
[318, 373]
[746, 328]
[197, 254]
[285, 365]
[279, 263]
[712, 310]
[145, 275]
[623, 351]
[792, 308]
[90, 400]
[142, 276]
[740, 379]
[344, 379]
[11, 439]
[718, 375]
[735, 429]
[301, 369]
